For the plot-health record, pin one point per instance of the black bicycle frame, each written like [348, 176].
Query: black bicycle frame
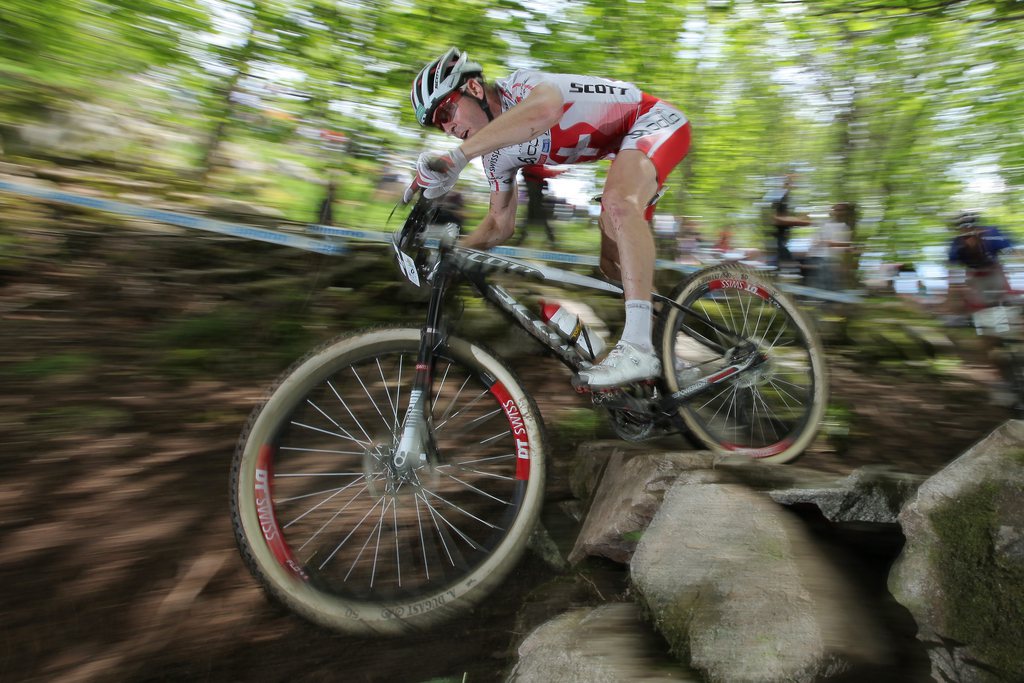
[454, 263]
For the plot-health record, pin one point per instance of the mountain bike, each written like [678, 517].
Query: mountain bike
[393, 477]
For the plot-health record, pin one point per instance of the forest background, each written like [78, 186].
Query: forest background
[909, 108]
[131, 354]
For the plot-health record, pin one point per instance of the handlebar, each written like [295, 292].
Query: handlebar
[414, 245]
[411, 233]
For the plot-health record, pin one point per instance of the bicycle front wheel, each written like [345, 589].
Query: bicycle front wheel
[350, 537]
[771, 411]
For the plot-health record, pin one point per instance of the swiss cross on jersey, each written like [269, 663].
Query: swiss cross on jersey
[582, 151]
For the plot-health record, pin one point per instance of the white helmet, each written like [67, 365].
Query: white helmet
[438, 79]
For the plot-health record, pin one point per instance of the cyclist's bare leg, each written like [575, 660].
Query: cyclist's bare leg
[609, 255]
[632, 182]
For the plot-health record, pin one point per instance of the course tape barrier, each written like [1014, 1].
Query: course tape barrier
[173, 218]
[334, 247]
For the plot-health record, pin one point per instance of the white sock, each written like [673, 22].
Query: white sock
[638, 324]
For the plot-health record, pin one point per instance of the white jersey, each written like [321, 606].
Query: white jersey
[601, 117]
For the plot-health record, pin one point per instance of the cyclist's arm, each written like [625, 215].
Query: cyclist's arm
[790, 221]
[541, 110]
[996, 241]
[498, 225]
[954, 251]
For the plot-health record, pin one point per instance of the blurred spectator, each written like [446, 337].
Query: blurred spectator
[780, 220]
[830, 244]
[689, 241]
[538, 208]
[724, 242]
[325, 214]
[390, 184]
[666, 244]
[977, 248]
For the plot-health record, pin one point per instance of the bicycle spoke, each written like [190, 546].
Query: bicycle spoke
[330, 433]
[423, 541]
[441, 383]
[387, 392]
[373, 402]
[377, 527]
[455, 398]
[460, 509]
[332, 451]
[448, 417]
[499, 435]
[474, 488]
[331, 419]
[398, 394]
[479, 460]
[479, 473]
[318, 505]
[344, 540]
[313, 494]
[349, 411]
[448, 548]
[398, 552]
[764, 406]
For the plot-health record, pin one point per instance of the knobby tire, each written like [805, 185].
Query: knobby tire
[772, 412]
[331, 531]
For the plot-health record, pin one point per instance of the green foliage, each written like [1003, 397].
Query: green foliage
[574, 426]
[53, 52]
[895, 107]
[80, 418]
[60, 365]
[224, 340]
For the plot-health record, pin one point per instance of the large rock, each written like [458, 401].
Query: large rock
[740, 591]
[590, 461]
[961, 573]
[629, 494]
[870, 494]
[608, 644]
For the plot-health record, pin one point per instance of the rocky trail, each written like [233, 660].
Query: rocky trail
[130, 358]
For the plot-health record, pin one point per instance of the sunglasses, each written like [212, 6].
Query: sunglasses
[445, 111]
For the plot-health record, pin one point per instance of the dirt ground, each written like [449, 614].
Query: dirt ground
[118, 558]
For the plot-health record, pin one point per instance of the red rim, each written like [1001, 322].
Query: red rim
[518, 427]
[269, 526]
[740, 283]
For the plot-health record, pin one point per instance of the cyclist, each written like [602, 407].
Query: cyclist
[534, 117]
[977, 247]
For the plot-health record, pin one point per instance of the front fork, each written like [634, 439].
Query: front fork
[414, 438]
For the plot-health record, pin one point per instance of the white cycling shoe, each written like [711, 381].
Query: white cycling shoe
[625, 364]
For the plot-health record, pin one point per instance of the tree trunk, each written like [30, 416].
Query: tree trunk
[223, 107]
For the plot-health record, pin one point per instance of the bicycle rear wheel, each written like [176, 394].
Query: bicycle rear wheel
[770, 412]
[339, 532]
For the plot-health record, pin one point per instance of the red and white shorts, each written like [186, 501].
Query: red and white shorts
[663, 134]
